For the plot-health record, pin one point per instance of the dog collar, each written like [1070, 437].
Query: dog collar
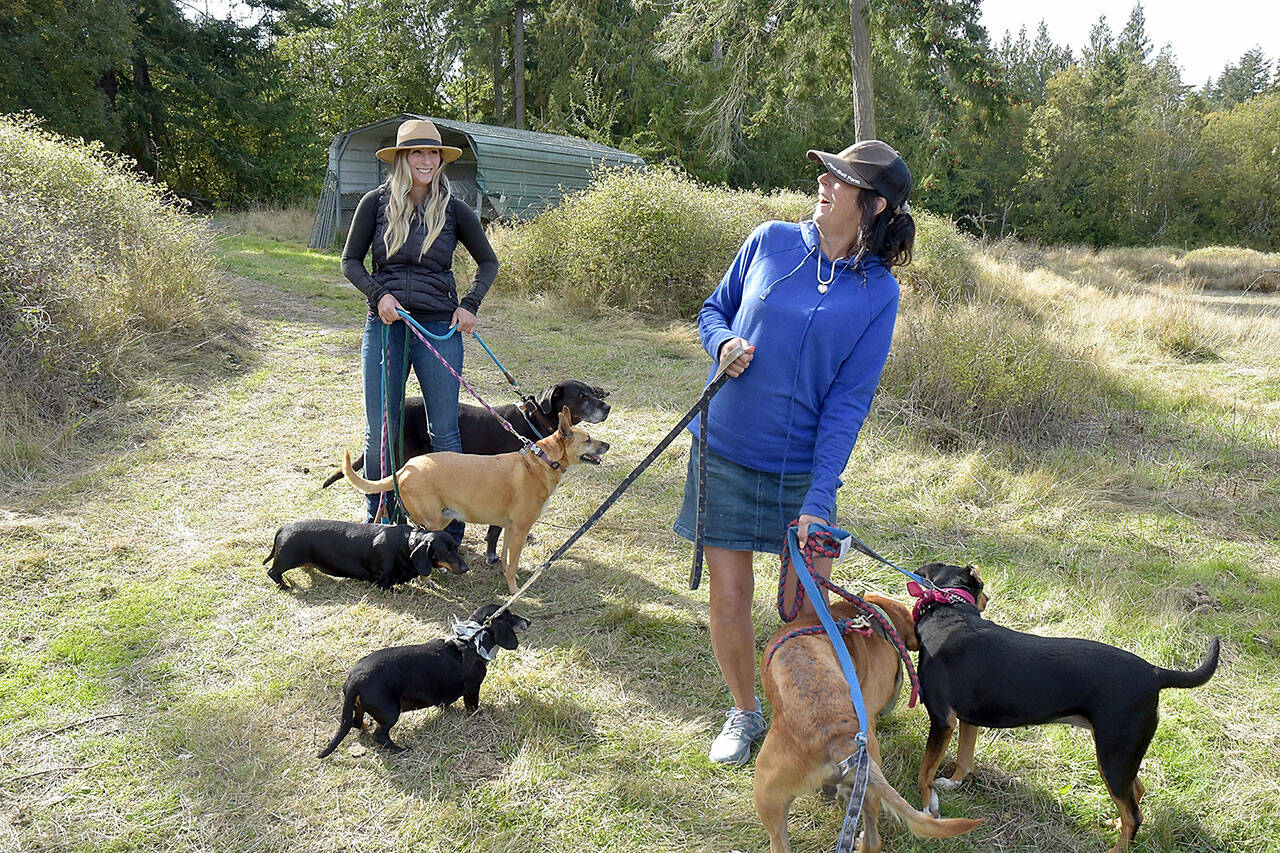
[527, 407]
[927, 597]
[473, 633]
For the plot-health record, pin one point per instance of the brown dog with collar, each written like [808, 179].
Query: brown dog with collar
[509, 490]
[815, 728]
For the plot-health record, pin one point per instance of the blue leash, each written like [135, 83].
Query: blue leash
[824, 616]
[861, 760]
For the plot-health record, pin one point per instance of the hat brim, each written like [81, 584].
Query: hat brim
[841, 169]
[447, 152]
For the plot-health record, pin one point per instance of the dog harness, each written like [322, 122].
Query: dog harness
[825, 542]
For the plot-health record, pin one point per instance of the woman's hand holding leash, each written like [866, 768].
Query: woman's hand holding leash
[740, 363]
[463, 319]
[388, 305]
[802, 527]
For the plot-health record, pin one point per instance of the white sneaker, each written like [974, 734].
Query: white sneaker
[741, 730]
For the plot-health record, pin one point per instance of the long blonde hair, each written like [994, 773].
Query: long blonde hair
[400, 208]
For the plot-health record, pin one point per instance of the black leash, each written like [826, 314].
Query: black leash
[701, 407]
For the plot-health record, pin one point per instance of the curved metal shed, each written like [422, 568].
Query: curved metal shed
[503, 173]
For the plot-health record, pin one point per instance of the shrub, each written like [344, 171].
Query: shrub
[654, 240]
[1234, 269]
[985, 370]
[942, 265]
[95, 268]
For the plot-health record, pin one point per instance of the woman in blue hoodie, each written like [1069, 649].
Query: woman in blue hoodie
[814, 305]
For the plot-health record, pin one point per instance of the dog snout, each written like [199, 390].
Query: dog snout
[455, 565]
[596, 413]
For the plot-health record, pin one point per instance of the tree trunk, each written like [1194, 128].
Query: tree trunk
[517, 65]
[864, 117]
[496, 41]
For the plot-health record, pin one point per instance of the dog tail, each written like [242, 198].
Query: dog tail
[275, 546]
[1197, 676]
[369, 488]
[337, 475]
[347, 724]
[921, 824]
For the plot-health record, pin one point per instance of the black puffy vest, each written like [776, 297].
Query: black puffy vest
[425, 285]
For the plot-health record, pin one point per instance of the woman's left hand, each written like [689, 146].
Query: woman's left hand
[464, 319]
[802, 529]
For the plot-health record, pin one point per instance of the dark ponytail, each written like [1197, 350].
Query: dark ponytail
[889, 236]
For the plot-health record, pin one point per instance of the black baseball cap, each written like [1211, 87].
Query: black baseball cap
[872, 165]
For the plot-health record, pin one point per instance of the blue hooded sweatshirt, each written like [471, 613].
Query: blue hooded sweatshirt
[799, 405]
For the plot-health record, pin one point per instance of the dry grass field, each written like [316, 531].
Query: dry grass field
[157, 692]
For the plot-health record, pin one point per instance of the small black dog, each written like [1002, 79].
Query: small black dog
[982, 674]
[379, 553]
[405, 678]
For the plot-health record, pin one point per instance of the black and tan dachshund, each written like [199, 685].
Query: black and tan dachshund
[405, 678]
[981, 674]
[381, 554]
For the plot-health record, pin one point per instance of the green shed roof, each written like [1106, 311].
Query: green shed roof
[532, 170]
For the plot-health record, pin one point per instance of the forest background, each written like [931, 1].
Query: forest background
[1020, 136]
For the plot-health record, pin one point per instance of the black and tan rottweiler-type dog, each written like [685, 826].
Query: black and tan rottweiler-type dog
[510, 490]
[405, 678]
[379, 553]
[981, 674]
[814, 727]
[481, 434]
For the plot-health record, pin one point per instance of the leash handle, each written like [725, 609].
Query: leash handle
[861, 775]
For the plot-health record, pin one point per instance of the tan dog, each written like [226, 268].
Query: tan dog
[509, 490]
[814, 726]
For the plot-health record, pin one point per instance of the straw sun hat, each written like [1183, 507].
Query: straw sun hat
[419, 133]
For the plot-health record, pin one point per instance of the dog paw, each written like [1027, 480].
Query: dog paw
[942, 783]
[934, 809]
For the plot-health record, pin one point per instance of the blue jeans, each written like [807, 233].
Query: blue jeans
[439, 390]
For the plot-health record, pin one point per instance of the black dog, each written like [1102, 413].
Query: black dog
[405, 678]
[483, 435]
[982, 674]
[379, 553]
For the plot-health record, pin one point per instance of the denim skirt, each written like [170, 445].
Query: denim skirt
[746, 509]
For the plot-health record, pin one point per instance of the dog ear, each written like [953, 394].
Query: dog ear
[546, 400]
[503, 634]
[566, 423]
[420, 544]
[980, 597]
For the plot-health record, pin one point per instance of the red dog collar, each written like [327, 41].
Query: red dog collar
[935, 596]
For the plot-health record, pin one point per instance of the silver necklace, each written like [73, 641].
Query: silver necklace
[825, 284]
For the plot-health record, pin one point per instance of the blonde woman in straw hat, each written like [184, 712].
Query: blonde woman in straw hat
[412, 224]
